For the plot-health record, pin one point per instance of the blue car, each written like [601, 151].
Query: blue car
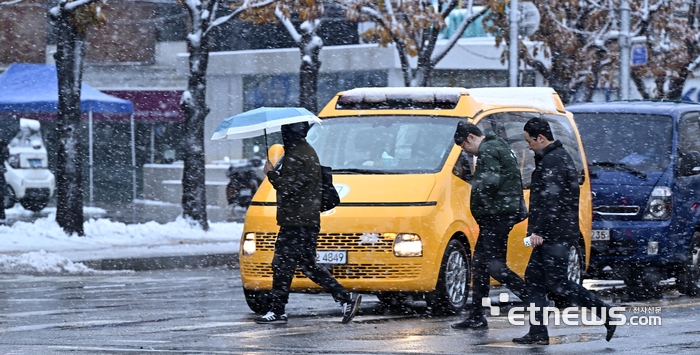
[644, 162]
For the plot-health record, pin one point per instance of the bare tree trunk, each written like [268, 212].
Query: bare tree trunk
[675, 86]
[308, 72]
[194, 199]
[639, 83]
[558, 78]
[69, 170]
[591, 83]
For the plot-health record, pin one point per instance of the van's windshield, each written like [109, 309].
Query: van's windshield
[384, 144]
[626, 141]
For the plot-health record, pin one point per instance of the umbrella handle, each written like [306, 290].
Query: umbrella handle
[267, 148]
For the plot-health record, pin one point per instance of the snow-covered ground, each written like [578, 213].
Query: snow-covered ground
[42, 246]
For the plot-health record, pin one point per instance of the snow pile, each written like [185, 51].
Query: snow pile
[42, 245]
[40, 262]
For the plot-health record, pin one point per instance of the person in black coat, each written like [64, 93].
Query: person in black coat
[553, 228]
[297, 181]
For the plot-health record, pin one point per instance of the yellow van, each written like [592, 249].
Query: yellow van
[403, 227]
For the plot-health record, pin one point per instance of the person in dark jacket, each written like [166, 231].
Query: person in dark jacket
[297, 181]
[553, 228]
[495, 203]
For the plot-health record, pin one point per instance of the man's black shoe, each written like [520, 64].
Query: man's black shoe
[539, 339]
[610, 330]
[272, 318]
[475, 323]
[350, 309]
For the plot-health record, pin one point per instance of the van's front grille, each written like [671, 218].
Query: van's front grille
[352, 242]
[621, 210]
[349, 271]
[355, 242]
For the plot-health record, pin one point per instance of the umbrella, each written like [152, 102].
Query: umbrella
[258, 122]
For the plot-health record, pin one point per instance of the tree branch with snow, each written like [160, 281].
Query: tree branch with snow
[413, 27]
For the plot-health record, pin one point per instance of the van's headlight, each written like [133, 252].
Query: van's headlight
[660, 204]
[407, 244]
[13, 160]
[249, 244]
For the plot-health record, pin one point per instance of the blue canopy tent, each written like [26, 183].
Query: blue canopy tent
[32, 89]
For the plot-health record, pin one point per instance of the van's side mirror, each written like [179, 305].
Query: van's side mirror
[462, 168]
[689, 163]
[275, 153]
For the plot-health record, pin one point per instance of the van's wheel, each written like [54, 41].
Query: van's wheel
[33, 205]
[687, 280]
[574, 269]
[10, 199]
[450, 295]
[258, 301]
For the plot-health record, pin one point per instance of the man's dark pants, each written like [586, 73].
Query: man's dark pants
[547, 272]
[296, 247]
[490, 260]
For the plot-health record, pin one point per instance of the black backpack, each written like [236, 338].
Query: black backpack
[329, 198]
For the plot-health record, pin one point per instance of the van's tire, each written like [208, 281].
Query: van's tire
[10, 198]
[642, 284]
[452, 290]
[687, 280]
[258, 301]
[33, 205]
[392, 299]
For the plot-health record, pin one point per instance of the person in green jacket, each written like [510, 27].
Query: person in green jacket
[495, 205]
[297, 181]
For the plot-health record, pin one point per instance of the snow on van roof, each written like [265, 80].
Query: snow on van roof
[397, 93]
[535, 97]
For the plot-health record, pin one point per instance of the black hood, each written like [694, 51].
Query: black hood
[292, 133]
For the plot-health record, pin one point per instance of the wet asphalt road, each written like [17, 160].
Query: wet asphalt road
[203, 312]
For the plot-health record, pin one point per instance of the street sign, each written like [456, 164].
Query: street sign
[639, 55]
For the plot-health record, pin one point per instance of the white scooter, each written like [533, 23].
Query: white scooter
[29, 180]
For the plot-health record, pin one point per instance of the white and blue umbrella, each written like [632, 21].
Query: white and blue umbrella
[260, 121]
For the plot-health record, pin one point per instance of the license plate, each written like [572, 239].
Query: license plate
[34, 163]
[332, 257]
[245, 192]
[601, 234]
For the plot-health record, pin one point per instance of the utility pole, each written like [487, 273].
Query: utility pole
[624, 42]
[513, 48]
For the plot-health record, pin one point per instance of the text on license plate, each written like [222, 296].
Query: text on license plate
[600, 234]
[332, 257]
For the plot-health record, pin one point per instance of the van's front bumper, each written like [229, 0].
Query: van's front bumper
[369, 267]
[371, 264]
[634, 245]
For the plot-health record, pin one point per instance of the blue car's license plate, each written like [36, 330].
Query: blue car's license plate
[34, 163]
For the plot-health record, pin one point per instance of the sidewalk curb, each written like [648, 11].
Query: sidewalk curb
[165, 262]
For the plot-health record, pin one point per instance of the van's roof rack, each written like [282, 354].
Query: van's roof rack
[446, 98]
[417, 98]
